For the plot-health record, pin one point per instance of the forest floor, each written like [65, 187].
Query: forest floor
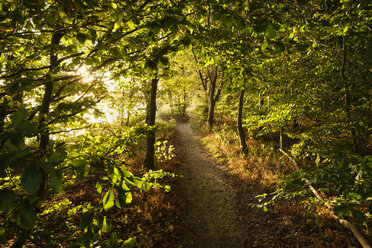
[217, 207]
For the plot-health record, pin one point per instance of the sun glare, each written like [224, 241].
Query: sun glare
[87, 76]
[110, 115]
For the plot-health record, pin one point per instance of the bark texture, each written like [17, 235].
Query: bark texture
[150, 153]
[241, 131]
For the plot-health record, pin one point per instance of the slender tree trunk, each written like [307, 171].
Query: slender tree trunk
[184, 101]
[241, 131]
[47, 98]
[211, 114]
[150, 153]
[281, 132]
[43, 129]
[212, 75]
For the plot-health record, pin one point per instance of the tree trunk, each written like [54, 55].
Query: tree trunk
[241, 131]
[281, 132]
[150, 153]
[47, 98]
[43, 128]
[212, 75]
[211, 113]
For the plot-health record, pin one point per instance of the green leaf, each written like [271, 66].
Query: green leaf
[79, 166]
[128, 197]
[27, 215]
[117, 25]
[8, 198]
[81, 37]
[113, 241]
[18, 117]
[124, 186]
[99, 187]
[359, 216]
[108, 200]
[270, 31]
[88, 238]
[138, 183]
[86, 220]
[146, 186]
[341, 209]
[10, 146]
[126, 172]
[121, 197]
[353, 196]
[79, 163]
[129, 243]
[50, 20]
[29, 129]
[56, 181]
[106, 225]
[264, 45]
[21, 154]
[31, 178]
[57, 157]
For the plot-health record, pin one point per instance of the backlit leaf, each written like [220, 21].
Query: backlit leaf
[99, 187]
[129, 243]
[108, 200]
[106, 225]
[264, 45]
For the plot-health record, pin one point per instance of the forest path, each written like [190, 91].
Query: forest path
[210, 217]
[217, 209]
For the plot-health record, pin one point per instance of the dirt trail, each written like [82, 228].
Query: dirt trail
[217, 210]
[210, 218]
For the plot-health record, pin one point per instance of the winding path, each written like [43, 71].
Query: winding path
[210, 218]
[218, 211]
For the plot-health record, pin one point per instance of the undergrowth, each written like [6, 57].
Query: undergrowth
[106, 197]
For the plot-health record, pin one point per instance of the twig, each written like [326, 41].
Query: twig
[74, 129]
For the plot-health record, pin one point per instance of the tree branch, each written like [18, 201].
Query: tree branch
[74, 129]
[24, 70]
[202, 80]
